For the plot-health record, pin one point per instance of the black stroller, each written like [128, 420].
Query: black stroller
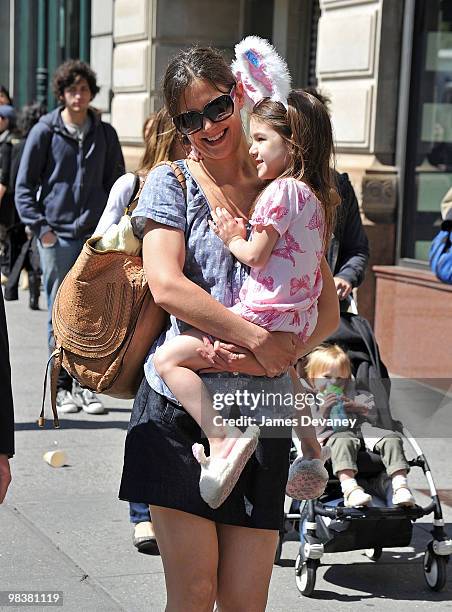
[326, 526]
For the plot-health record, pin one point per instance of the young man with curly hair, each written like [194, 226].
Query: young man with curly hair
[70, 161]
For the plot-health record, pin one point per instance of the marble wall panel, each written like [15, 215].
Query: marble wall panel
[128, 113]
[132, 19]
[101, 62]
[101, 17]
[131, 66]
[346, 45]
[351, 110]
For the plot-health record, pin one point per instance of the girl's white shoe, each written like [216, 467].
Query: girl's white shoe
[219, 475]
[356, 498]
[403, 497]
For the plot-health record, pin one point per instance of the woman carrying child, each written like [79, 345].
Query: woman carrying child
[293, 149]
[209, 555]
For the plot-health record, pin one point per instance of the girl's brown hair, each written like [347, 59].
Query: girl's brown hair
[306, 128]
[203, 63]
[160, 136]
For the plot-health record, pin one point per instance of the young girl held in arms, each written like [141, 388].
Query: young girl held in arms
[291, 223]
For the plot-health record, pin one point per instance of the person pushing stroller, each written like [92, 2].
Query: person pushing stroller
[346, 417]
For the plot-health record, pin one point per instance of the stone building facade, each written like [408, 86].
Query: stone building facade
[388, 68]
[385, 64]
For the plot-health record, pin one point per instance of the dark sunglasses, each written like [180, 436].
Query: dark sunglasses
[216, 110]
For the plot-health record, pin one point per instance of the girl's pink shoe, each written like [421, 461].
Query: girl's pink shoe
[307, 477]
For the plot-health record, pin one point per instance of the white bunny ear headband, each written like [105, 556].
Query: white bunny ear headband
[262, 71]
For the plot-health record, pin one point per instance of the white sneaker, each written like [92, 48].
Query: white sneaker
[87, 400]
[403, 497]
[66, 402]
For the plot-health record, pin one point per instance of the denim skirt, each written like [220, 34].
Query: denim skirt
[160, 469]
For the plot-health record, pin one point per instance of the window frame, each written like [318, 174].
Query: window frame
[409, 117]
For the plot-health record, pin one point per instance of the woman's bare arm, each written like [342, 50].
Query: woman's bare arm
[2, 191]
[163, 260]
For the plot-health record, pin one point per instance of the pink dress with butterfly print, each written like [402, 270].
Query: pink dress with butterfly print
[282, 296]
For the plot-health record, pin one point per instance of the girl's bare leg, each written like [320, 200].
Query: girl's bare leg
[177, 363]
[305, 433]
[188, 546]
[245, 566]
[307, 475]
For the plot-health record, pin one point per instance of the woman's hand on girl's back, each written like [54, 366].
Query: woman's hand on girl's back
[276, 352]
[271, 354]
[225, 357]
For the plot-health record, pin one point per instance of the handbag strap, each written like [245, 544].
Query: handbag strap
[139, 184]
[56, 356]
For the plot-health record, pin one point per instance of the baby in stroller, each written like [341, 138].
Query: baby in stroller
[344, 424]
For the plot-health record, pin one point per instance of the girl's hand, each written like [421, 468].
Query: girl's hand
[224, 357]
[356, 406]
[226, 227]
[328, 402]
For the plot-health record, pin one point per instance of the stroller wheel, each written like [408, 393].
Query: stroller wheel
[305, 574]
[373, 553]
[434, 570]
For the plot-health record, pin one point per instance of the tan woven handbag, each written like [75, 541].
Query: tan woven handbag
[104, 321]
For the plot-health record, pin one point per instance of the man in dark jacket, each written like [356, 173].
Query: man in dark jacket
[70, 161]
[6, 407]
[348, 254]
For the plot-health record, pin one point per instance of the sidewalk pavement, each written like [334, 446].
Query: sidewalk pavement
[65, 529]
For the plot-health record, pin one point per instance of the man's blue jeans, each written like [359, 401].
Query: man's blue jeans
[139, 513]
[56, 261]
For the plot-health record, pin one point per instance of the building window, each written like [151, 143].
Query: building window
[429, 138]
[258, 18]
[46, 34]
[311, 79]
[302, 48]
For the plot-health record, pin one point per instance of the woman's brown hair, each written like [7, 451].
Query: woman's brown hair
[306, 128]
[203, 63]
[160, 136]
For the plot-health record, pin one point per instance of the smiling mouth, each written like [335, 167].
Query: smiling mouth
[216, 139]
